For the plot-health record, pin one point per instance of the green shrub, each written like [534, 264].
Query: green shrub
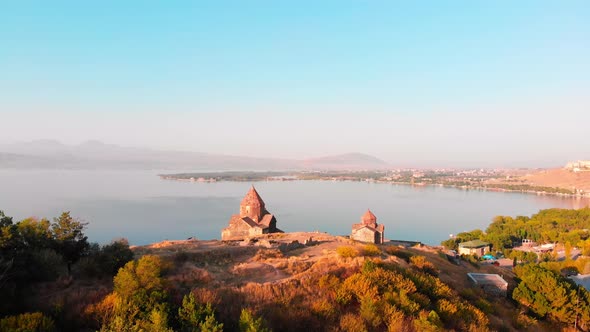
[405, 255]
[46, 264]
[369, 266]
[248, 323]
[485, 306]
[194, 316]
[347, 251]
[324, 309]
[523, 257]
[428, 321]
[420, 263]
[106, 260]
[471, 259]
[371, 250]
[115, 255]
[27, 322]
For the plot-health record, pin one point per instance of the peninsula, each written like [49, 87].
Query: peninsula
[567, 181]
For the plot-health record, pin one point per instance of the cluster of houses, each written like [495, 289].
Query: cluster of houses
[578, 166]
[254, 219]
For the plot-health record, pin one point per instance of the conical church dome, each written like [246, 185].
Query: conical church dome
[252, 199]
[369, 218]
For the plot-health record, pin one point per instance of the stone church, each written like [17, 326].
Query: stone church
[253, 219]
[368, 230]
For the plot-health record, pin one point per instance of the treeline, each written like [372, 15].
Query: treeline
[352, 176]
[240, 176]
[354, 292]
[528, 187]
[36, 251]
[547, 226]
[543, 291]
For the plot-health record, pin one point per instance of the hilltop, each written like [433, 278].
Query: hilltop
[281, 257]
[560, 178]
[275, 263]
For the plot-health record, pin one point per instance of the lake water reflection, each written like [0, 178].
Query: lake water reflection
[140, 206]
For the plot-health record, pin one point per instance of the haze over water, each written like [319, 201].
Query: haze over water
[138, 205]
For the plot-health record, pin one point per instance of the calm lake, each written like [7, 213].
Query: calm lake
[141, 207]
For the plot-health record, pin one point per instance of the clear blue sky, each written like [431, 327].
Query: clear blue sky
[423, 83]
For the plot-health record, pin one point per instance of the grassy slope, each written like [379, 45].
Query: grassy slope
[255, 268]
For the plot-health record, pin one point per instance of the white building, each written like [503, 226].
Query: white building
[578, 166]
[490, 283]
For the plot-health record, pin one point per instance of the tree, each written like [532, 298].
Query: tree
[157, 322]
[34, 234]
[69, 238]
[248, 323]
[7, 246]
[523, 256]
[195, 317]
[141, 281]
[568, 251]
[7, 234]
[139, 299]
[453, 243]
[26, 252]
[548, 294]
[115, 255]
[5, 220]
[428, 321]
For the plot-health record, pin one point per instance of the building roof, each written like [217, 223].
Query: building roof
[266, 220]
[369, 218]
[473, 244]
[249, 221]
[252, 198]
[487, 279]
[373, 228]
[356, 227]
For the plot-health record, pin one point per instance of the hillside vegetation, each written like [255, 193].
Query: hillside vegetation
[269, 283]
[547, 226]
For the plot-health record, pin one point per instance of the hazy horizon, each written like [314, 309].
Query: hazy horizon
[465, 84]
[42, 147]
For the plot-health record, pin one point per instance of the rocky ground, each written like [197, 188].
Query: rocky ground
[279, 257]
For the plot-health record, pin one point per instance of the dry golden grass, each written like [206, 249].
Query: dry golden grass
[559, 178]
[286, 287]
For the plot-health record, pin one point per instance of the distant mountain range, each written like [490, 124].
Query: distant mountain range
[50, 154]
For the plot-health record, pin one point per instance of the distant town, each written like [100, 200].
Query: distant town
[572, 180]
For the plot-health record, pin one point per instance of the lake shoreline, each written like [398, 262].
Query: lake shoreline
[279, 178]
[146, 209]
